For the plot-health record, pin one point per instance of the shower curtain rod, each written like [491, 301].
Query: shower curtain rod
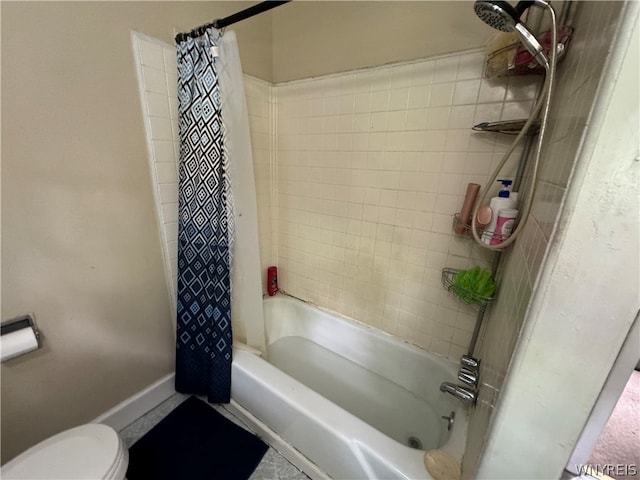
[231, 19]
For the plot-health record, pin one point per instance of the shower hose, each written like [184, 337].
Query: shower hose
[543, 99]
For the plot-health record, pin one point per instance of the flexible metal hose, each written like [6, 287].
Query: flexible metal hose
[544, 99]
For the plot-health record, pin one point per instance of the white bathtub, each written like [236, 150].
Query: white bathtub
[348, 397]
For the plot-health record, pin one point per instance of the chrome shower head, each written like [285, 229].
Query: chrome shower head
[497, 14]
[502, 16]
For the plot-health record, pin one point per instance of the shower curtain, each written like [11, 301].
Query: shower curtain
[205, 228]
[215, 160]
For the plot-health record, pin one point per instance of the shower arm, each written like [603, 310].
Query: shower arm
[544, 98]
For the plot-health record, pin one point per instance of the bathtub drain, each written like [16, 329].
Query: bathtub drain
[414, 442]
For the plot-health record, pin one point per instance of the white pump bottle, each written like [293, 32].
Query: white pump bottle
[502, 201]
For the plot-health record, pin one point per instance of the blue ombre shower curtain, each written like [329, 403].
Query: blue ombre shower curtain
[205, 227]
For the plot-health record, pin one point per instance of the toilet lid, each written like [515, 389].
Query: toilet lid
[86, 452]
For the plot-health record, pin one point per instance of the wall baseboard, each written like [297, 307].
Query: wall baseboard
[134, 407]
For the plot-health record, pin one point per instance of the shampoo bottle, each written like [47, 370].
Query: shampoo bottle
[502, 201]
[504, 225]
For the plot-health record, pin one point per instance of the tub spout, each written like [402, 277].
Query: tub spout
[466, 394]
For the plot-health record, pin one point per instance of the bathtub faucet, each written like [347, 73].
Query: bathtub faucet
[469, 375]
[464, 393]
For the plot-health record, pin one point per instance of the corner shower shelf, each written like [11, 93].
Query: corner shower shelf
[467, 227]
[509, 127]
[479, 302]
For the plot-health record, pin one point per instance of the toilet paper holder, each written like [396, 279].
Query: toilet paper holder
[20, 323]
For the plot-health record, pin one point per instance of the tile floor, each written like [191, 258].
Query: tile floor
[272, 467]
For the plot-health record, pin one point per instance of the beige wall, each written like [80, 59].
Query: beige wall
[80, 245]
[321, 37]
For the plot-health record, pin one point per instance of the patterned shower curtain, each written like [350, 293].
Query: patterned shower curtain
[205, 227]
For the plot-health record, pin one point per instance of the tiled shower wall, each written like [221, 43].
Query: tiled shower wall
[578, 77]
[260, 103]
[357, 178]
[371, 166]
[157, 80]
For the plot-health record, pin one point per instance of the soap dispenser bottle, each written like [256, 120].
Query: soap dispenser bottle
[500, 202]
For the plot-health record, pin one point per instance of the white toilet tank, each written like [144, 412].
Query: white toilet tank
[88, 452]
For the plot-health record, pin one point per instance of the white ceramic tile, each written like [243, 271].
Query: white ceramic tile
[446, 69]
[173, 252]
[362, 102]
[416, 119]
[486, 111]
[171, 232]
[170, 59]
[522, 88]
[151, 54]
[419, 96]
[166, 173]
[398, 98]
[170, 212]
[157, 105]
[478, 163]
[457, 140]
[471, 66]
[441, 94]
[163, 151]
[176, 149]
[516, 110]
[438, 118]
[461, 116]
[172, 85]
[466, 92]
[161, 129]
[481, 142]
[154, 80]
[400, 76]
[492, 90]
[435, 140]
[168, 193]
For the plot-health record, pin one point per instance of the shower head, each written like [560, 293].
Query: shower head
[502, 16]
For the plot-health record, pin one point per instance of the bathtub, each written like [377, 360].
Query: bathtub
[356, 402]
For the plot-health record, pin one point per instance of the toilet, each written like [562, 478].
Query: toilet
[87, 452]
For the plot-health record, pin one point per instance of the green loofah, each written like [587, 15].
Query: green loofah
[474, 285]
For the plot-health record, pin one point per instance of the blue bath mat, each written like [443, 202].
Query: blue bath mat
[195, 442]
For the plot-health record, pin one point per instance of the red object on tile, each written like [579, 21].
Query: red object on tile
[524, 61]
[272, 281]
